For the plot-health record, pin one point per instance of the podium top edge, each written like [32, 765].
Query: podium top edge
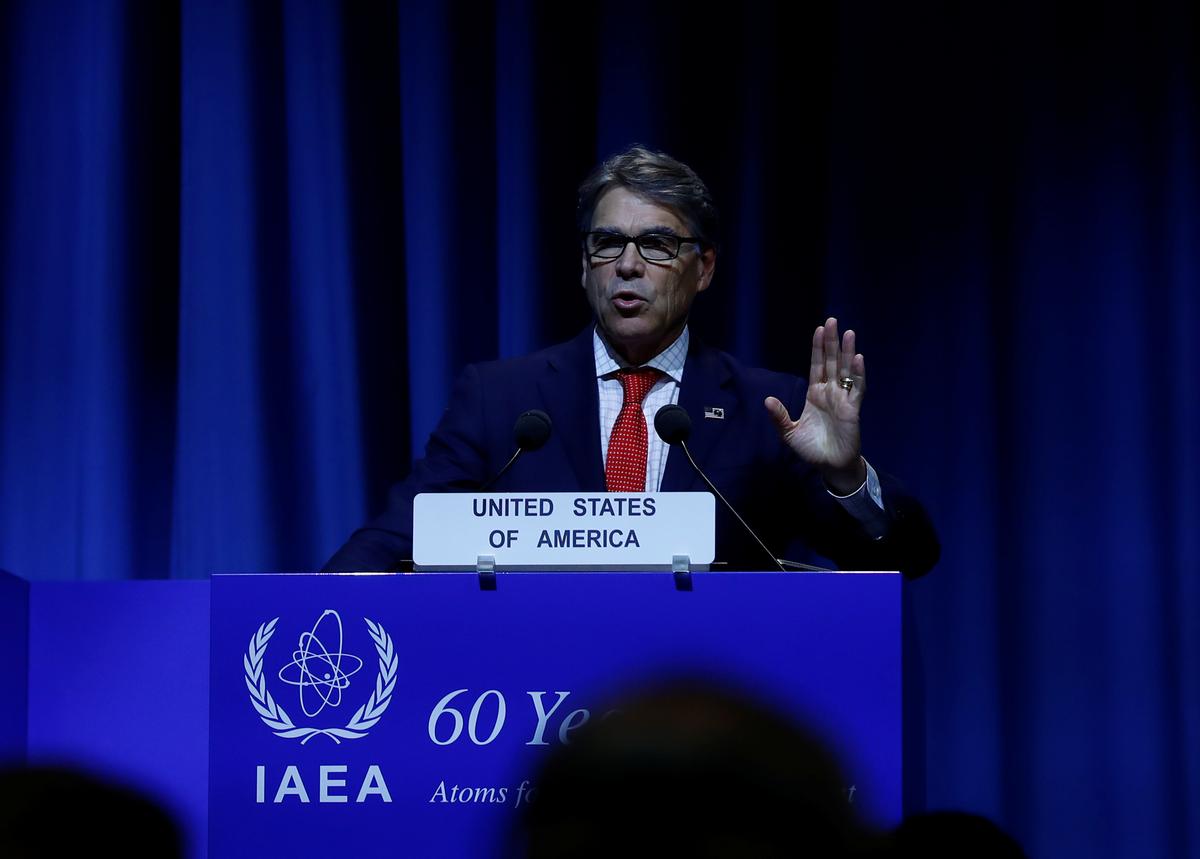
[561, 572]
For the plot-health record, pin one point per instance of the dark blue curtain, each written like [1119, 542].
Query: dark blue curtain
[245, 248]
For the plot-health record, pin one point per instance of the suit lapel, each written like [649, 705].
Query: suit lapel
[568, 387]
[706, 385]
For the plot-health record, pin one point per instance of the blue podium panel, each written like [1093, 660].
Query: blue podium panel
[411, 713]
[14, 667]
[118, 685]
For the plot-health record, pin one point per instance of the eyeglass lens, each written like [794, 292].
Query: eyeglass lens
[653, 247]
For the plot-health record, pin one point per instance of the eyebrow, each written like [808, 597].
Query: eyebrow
[656, 229]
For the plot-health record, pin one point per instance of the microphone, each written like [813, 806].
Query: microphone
[674, 426]
[530, 432]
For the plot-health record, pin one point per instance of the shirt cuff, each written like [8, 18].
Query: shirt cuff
[866, 504]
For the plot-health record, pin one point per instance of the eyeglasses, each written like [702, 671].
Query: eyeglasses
[653, 247]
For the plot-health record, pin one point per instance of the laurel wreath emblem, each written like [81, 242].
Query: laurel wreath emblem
[277, 719]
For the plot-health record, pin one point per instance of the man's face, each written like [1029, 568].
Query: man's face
[642, 306]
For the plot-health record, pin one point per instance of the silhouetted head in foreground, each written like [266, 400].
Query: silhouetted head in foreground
[53, 812]
[951, 835]
[685, 771]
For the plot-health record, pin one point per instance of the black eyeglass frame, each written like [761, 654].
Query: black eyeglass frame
[680, 241]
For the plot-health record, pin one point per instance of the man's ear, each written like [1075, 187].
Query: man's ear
[708, 265]
[583, 269]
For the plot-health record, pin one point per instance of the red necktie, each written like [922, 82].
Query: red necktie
[625, 469]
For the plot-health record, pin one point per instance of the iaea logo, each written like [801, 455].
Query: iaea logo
[321, 673]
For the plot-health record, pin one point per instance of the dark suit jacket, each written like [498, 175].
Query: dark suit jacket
[780, 496]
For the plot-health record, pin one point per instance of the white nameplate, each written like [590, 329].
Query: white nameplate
[563, 529]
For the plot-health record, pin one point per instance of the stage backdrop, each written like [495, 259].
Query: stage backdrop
[245, 247]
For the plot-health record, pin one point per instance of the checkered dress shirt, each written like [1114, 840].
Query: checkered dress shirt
[666, 390]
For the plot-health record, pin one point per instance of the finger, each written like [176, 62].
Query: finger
[831, 350]
[847, 352]
[779, 414]
[816, 365]
[858, 372]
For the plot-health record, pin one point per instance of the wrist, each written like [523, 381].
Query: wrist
[847, 479]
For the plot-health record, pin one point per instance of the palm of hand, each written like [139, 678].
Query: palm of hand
[827, 431]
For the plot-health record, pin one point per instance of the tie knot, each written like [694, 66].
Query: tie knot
[637, 383]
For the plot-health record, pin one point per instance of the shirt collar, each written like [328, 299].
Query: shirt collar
[669, 361]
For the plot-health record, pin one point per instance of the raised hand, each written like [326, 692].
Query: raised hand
[827, 432]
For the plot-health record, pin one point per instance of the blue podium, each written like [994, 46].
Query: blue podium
[304, 715]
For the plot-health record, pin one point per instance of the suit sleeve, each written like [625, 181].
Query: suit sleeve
[455, 459]
[909, 542]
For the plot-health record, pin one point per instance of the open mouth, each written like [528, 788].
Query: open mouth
[627, 302]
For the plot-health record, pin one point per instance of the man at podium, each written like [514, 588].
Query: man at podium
[784, 451]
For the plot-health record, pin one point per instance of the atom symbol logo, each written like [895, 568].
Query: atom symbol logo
[318, 669]
[330, 683]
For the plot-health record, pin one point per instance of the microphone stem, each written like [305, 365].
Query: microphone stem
[500, 473]
[717, 493]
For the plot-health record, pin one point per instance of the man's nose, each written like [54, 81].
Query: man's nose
[630, 263]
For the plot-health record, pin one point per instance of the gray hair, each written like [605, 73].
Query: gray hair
[657, 177]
